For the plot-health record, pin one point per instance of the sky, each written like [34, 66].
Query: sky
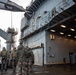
[8, 19]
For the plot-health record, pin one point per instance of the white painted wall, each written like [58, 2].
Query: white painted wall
[38, 56]
[59, 48]
[36, 40]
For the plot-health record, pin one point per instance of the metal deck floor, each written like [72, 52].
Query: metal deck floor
[49, 70]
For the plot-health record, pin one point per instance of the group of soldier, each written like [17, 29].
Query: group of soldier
[21, 59]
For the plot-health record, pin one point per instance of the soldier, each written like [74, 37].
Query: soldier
[0, 60]
[14, 58]
[20, 68]
[4, 59]
[25, 60]
[29, 59]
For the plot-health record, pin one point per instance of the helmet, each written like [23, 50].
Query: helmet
[3, 48]
[21, 41]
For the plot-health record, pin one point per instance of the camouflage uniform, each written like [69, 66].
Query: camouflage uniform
[14, 58]
[21, 65]
[4, 59]
[25, 58]
[29, 59]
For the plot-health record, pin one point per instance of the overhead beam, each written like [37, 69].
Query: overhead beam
[61, 21]
[54, 20]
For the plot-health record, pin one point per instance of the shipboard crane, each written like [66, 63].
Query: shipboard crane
[11, 6]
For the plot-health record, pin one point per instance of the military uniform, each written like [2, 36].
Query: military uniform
[29, 59]
[21, 65]
[14, 59]
[24, 56]
[4, 59]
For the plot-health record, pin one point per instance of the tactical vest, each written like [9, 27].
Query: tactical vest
[4, 53]
[14, 54]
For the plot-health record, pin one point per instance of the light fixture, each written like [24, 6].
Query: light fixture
[75, 19]
[63, 26]
[52, 37]
[74, 36]
[69, 35]
[52, 30]
[72, 29]
[61, 33]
